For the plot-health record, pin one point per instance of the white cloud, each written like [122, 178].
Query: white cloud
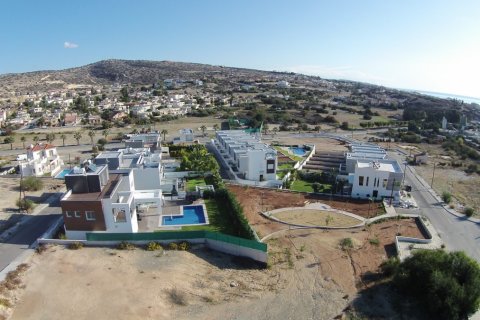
[70, 45]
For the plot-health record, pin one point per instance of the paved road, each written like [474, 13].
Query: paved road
[32, 228]
[457, 233]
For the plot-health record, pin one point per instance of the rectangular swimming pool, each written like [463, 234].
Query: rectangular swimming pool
[63, 173]
[192, 215]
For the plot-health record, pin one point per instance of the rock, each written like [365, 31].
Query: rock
[233, 284]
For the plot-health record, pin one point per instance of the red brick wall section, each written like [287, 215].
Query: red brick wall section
[81, 223]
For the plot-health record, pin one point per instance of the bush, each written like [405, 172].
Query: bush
[75, 246]
[346, 243]
[124, 245]
[172, 246]
[374, 241]
[316, 186]
[469, 211]
[25, 204]
[446, 285]
[153, 246]
[31, 184]
[178, 297]
[446, 197]
[389, 267]
[184, 246]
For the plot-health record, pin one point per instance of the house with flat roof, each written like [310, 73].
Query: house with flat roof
[144, 140]
[97, 201]
[186, 136]
[376, 179]
[246, 155]
[41, 159]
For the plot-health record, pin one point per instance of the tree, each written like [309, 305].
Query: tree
[91, 134]
[50, 137]
[344, 125]
[23, 139]
[63, 137]
[77, 137]
[446, 197]
[203, 128]
[105, 133]
[215, 127]
[36, 139]
[10, 140]
[164, 132]
[31, 184]
[446, 284]
[275, 131]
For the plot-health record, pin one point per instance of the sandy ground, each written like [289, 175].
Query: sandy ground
[312, 217]
[309, 277]
[321, 144]
[9, 191]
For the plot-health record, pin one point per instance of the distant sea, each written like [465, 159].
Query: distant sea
[449, 96]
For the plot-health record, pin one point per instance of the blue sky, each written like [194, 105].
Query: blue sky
[424, 45]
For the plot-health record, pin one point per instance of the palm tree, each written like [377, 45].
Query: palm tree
[35, 139]
[91, 134]
[50, 137]
[23, 139]
[63, 136]
[275, 131]
[77, 137]
[105, 133]
[215, 127]
[164, 132]
[10, 140]
[203, 128]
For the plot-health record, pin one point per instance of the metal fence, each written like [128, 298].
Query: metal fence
[176, 235]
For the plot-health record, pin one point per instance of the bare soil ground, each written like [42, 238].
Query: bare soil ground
[255, 200]
[309, 277]
[9, 191]
[321, 144]
[312, 217]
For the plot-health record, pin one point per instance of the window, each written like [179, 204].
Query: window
[360, 180]
[69, 214]
[77, 214]
[385, 183]
[119, 215]
[368, 178]
[90, 215]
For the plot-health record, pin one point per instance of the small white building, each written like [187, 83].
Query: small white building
[246, 155]
[186, 136]
[41, 159]
[376, 179]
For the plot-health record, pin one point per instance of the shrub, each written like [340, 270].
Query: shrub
[124, 245]
[177, 297]
[446, 197]
[316, 186]
[172, 246]
[75, 246]
[469, 211]
[346, 243]
[446, 285]
[25, 204]
[31, 184]
[153, 246]
[389, 266]
[184, 246]
[374, 241]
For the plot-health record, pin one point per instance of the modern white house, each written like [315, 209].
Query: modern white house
[246, 155]
[376, 179]
[41, 159]
[144, 140]
[97, 201]
[186, 136]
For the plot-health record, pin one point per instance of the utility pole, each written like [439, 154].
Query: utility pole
[433, 174]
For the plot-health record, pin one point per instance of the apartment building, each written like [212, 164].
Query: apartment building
[246, 155]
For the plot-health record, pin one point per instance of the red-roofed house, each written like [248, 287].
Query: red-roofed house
[42, 159]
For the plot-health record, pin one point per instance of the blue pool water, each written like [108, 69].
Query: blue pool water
[63, 173]
[191, 215]
[298, 151]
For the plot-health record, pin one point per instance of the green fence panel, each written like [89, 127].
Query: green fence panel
[176, 235]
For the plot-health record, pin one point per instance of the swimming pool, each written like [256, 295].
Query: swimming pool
[63, 173]
[192, 215]
[298, 151]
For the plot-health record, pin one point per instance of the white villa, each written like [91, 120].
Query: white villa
[246, 155]
[186, 136]
[41, 159]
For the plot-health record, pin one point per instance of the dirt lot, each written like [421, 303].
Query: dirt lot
[312, 217]
[255, 200]
[321, 144]
[9, 191]
[309, 277]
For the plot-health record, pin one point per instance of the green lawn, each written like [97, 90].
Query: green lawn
[193, 182]
[286, 166]
[304, 186]
[218, 218]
